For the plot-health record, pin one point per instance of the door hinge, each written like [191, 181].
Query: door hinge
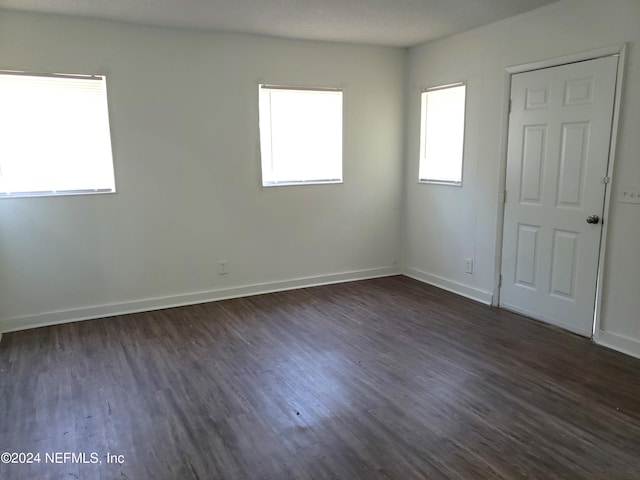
[606, 180]
[510, 104]
[499, 280]
[504, 196]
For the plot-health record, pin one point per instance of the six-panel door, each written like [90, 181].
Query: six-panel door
[558, 149]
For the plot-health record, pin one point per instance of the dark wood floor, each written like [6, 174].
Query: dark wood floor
[379, 379]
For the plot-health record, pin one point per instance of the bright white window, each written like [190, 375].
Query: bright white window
[442, 134]
[300, 135]
[54, 135]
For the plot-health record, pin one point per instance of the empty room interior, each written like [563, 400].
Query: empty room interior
[318, 240]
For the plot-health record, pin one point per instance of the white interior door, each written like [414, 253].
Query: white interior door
[558, 150]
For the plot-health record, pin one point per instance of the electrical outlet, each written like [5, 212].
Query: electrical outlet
[222, 267]
[468, 265]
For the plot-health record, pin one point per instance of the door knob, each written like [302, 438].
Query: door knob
[593, 219]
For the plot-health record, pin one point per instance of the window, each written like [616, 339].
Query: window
[54, 135]
[300, 135]
[442, 134]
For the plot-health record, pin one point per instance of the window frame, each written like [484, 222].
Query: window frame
[423, 133]
[284, 183]
[102, 78]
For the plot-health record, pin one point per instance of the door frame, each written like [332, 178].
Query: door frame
[614, 50]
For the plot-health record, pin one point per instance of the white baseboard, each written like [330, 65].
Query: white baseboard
[617, 342]
[449, 285]
[149, 304]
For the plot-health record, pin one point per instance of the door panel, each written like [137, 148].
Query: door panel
[559, 136]
[565, 249]
[527, 255]
[574, 141]
[532, 162]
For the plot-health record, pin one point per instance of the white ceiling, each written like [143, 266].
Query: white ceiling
[380, 22]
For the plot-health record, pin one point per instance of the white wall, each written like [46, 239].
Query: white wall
[443, 225]
[183, 108]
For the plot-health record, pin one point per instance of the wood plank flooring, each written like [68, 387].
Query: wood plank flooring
[378, 379]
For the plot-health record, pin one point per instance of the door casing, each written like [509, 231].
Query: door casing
[618, 50]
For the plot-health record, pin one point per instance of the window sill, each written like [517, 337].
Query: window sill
[441, 182]
[64, 193]
[301, 182]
